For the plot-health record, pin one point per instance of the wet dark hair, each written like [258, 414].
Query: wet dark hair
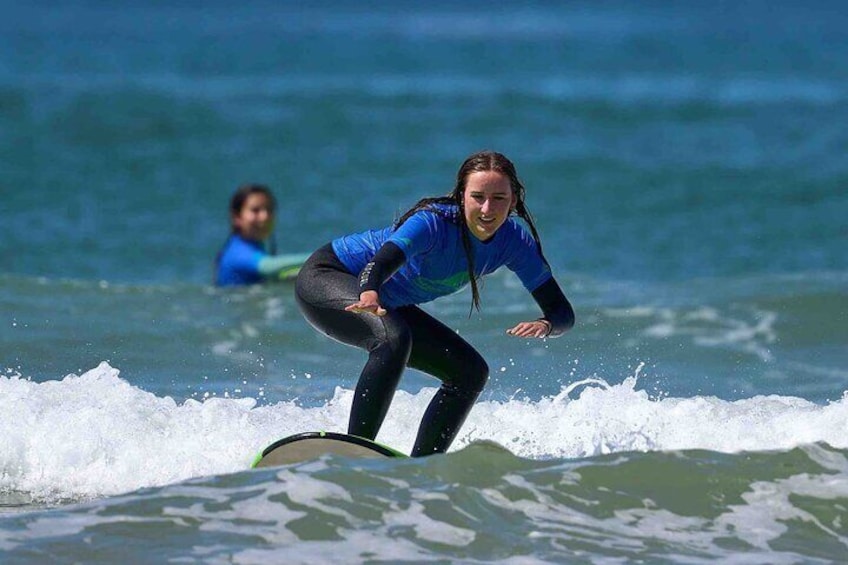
[482, 161]
[241, 194]
[237, 201]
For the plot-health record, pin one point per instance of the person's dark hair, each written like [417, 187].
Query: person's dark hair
[478, 162]
[237, 201]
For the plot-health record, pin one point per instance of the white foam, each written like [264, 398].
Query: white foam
[96, 434]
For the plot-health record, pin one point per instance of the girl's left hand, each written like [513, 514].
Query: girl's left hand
[536, 328]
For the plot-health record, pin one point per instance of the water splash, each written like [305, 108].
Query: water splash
[96, 434]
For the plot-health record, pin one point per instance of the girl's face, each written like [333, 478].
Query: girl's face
[255, 220]
[488, 199]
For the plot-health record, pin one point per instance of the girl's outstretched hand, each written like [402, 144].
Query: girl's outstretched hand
[369, 303]
[536, 328]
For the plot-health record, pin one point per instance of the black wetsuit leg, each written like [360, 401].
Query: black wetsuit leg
[439, 351]
[405, 335]
[323, 289]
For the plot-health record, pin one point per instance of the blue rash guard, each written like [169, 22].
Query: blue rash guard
[239, 262]
[436, 264]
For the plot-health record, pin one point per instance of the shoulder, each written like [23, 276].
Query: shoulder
[434, 218]
[235, 239]
[232, 242]
[425, 229]
[237, 247]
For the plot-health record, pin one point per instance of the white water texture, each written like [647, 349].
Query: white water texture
[96, 435]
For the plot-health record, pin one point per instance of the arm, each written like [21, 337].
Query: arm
[557, 313]
[281, 266]
[386, 262]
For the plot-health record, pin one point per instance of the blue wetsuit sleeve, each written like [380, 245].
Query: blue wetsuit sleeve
[556, 308]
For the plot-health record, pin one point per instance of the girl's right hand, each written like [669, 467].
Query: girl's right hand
[369, 303]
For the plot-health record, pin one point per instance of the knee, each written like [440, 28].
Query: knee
[477, 374]
[467, 375]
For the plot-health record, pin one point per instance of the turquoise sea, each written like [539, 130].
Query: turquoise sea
[686, 163]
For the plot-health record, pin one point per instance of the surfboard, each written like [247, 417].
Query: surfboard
[312, 445]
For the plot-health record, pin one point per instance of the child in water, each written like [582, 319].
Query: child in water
[248, 256]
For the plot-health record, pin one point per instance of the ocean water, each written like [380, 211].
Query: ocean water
[686, 164]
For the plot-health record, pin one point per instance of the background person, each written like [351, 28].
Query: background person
[249, 254]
